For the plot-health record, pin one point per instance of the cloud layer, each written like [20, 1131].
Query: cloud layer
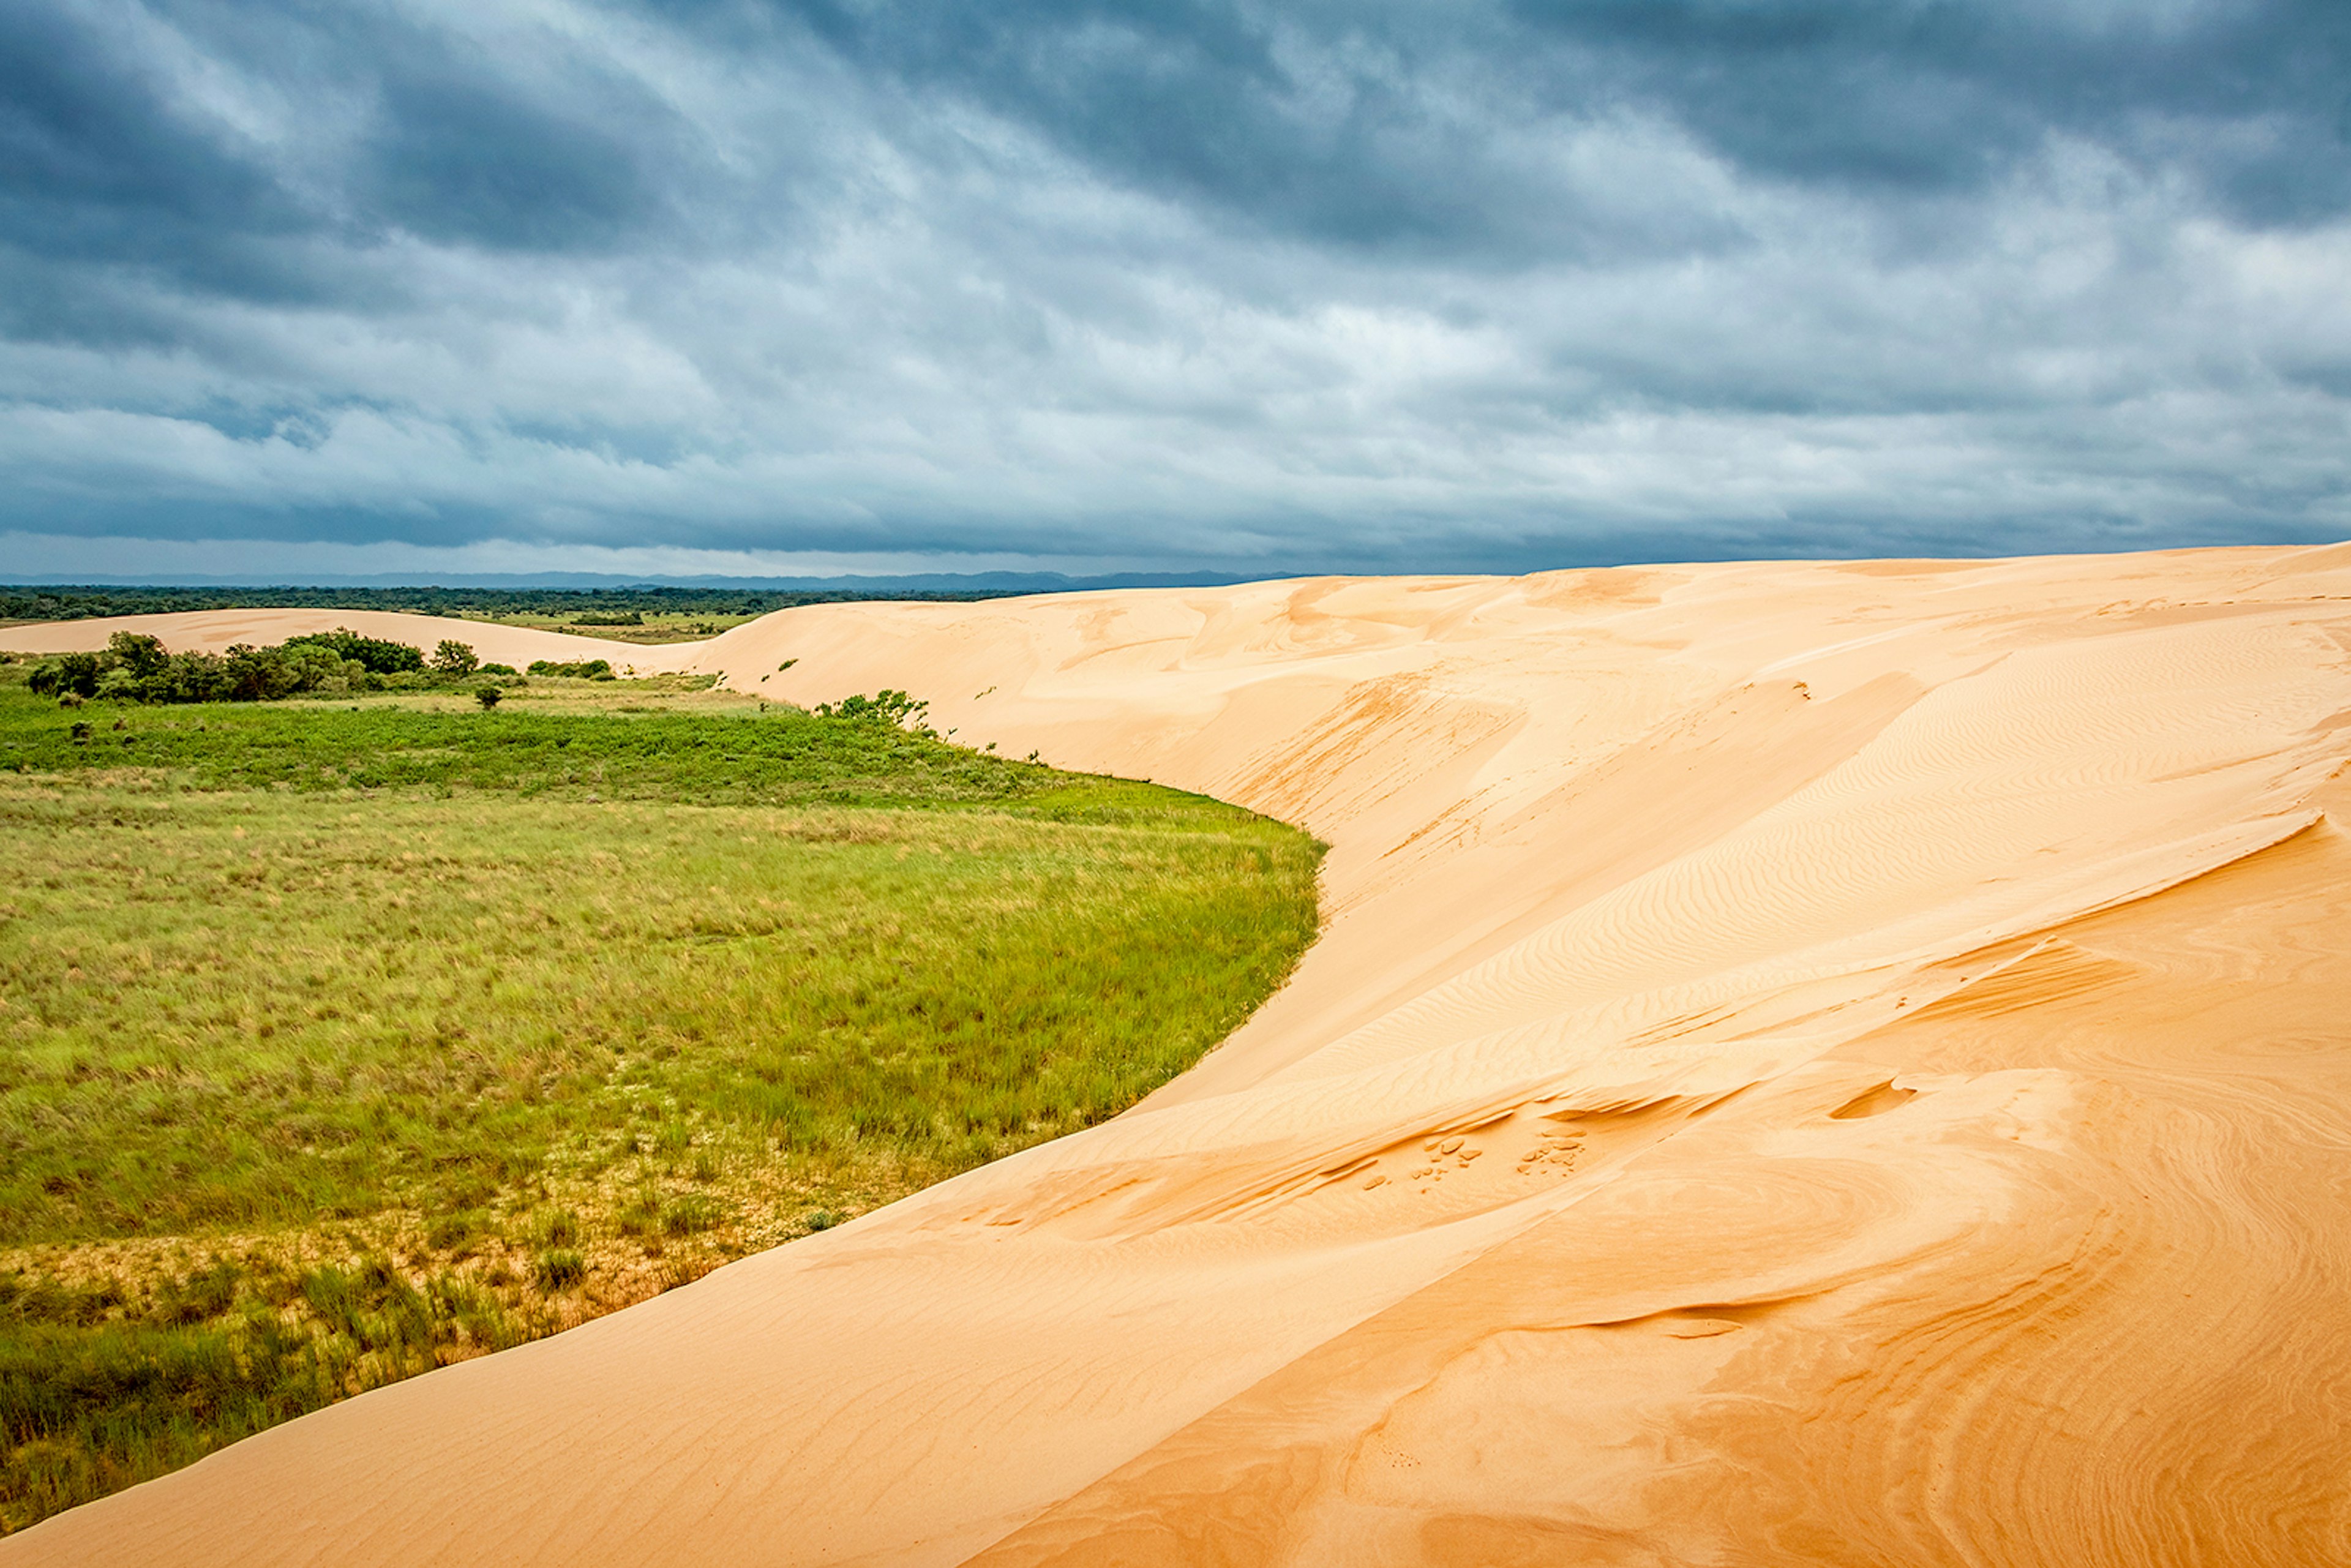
[1443, 286]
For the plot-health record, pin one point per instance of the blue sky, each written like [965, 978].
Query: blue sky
[717, 286]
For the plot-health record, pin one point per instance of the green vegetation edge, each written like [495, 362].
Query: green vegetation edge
[472, 1184]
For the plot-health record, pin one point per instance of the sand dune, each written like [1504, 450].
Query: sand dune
[1808, 1064]
[211, 631]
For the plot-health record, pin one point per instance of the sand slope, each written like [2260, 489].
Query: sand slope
[1808, 1064]
[211, 631]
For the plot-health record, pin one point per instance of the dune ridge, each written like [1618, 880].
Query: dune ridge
[1807, 1064]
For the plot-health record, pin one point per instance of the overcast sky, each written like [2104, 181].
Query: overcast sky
[741, 285]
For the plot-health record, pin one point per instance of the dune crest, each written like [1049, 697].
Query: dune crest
[1807, 1064]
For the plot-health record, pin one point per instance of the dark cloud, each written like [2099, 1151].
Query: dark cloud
[383, 125]
[1357, 126]
[1376, 123]
[553, 150]
[1194, 282]
[466, 163]
[93, 170]
[1939, 95]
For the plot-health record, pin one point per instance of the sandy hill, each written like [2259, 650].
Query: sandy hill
[1808, 1064]
[212, 631]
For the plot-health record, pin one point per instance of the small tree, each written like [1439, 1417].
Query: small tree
[381, 657]
[67, 675]
[454, 659]
[142, 655]
[488, 698]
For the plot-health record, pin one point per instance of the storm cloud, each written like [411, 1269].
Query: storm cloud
[716, 284]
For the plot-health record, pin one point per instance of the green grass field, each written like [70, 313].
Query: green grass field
[653, 627]
[340, 1040]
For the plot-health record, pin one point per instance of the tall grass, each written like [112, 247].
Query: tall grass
[715, 755]
[246, 1008]
[338, 1045]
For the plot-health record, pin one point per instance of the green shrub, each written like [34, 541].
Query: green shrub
[895, 709]
[64, 675]
[688, 1215]
[559, 1269]
[591, 669]
[450, 1231]
[641, 1216]
[379, 654]
[136, 668]
[142, 656]
[206, 1293]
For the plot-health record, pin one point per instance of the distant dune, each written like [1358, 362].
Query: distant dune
[211, 631]
[1836, 1063]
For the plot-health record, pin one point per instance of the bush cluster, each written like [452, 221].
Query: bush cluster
[137, 668]
[379, 654]
[587, 670]
[895, 709]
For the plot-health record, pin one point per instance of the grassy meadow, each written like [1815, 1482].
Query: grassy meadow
[340, 1040]
[644, 628]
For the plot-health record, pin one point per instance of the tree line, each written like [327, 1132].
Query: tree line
[580, 606]
[134, 667]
